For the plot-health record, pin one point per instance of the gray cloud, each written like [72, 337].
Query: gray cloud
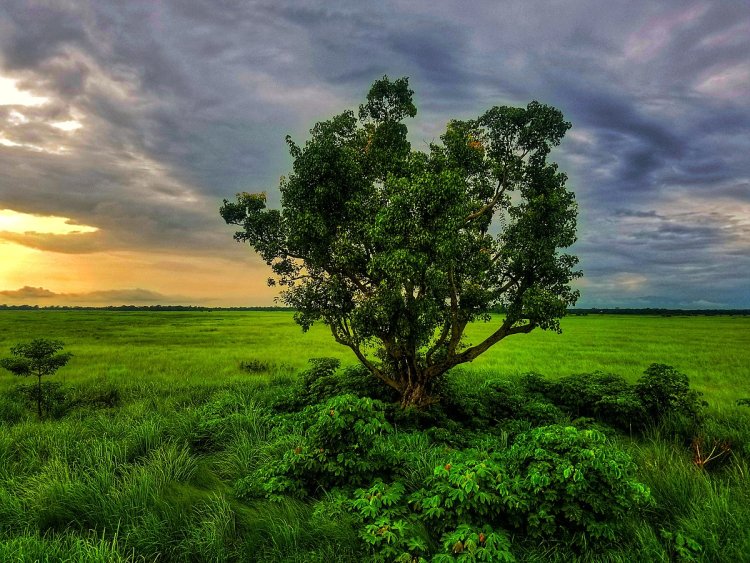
[185, 103]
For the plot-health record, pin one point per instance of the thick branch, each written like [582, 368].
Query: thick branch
[440, 341]
[505, 330]
[456, 328]
[362, 358]
[499, 191]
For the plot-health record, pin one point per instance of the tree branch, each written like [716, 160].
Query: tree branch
[499, 191]
[506, 329]
[362, 358]
[440, 341]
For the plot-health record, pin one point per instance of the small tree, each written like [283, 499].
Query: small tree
[397, 250]
[39, 358]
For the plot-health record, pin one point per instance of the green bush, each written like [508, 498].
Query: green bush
[386, 524]
[324, 380]
[471, 488]
[553, 482]
[664, 390]
[334, 448]
[507, 400]
[255, 365]
[468, 543]
[603, 396]
[54, 399]
[572, 482]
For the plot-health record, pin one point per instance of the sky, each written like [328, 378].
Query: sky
[123, 126]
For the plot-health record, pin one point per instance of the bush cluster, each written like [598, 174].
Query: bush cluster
[502, 462]
[324, 380]
[334, 444]
[661, 393]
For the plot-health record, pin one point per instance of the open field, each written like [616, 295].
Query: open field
[205, 348]
[166, 450]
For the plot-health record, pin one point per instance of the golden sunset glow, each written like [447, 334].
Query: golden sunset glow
[15, 222]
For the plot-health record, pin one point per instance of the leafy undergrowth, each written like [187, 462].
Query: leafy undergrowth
[325, 467]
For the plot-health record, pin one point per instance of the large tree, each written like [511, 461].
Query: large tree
[397, 250]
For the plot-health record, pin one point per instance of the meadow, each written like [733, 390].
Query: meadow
[162, 439]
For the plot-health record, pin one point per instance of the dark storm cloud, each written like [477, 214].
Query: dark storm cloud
[184, 103]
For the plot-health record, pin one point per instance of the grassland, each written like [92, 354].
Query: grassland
[153, 477]
[206, 348]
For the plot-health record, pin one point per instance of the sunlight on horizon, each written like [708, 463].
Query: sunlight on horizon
[16, 222]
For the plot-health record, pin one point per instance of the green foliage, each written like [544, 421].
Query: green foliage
[390, 247]
[324, 380]
[39, 358]
[661, 394]
[683, 548]
[471, 488]
[663, 389]
[58, 400]
[55, 401]
[254, 366]
[603, 396]
[568, 481]
[335, 448]
[386, 525]
[470, 544]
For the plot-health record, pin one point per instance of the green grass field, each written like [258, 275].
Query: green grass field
[205, 348]
[155, 477]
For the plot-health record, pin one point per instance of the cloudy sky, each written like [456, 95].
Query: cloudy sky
[124, 124]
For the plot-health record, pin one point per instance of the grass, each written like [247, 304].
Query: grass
[188, 349]
[151, 479]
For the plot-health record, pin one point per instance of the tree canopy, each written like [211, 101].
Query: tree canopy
[397, 249]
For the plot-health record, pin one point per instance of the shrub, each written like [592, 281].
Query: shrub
[681, 547]
[468, 543]
[386, 524]
[471, 488]
[509, 400]
[48, 396]
[323, 381]
[604, 396]
[664, 390]
[335, 448]
[255, 366]
[570, 481]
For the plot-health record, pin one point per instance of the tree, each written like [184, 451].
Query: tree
[39, 357]
[397, 250]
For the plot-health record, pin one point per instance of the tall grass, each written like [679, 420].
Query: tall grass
[151, 478]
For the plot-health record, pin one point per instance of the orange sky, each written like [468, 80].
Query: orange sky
[103, 278]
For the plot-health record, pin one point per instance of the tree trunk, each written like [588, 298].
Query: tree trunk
[415, 395]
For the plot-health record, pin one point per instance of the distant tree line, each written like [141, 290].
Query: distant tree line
[660, 312]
